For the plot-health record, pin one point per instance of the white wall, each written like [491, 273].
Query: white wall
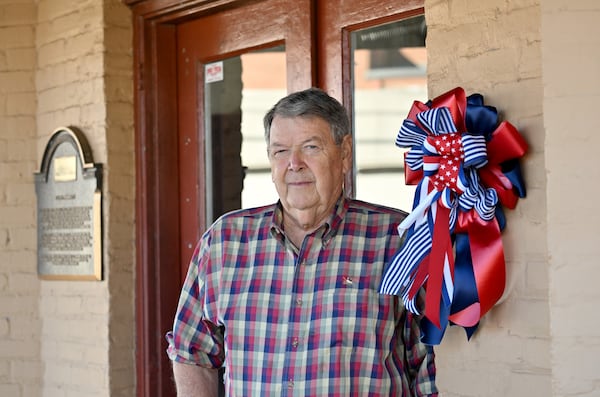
[494, 47]
[571, 44]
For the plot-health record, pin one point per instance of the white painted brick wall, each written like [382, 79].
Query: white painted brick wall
[494, 48]
[572, 92]
[69, 40]
[120, 201]
[88, 327]
[20, 331]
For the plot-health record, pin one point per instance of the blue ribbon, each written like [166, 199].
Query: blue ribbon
[480, 118]
[512, 170]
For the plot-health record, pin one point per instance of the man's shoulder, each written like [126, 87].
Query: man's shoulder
[241, 224]
[373, 209]
[246, 216]
[370, 220]
[254, 212]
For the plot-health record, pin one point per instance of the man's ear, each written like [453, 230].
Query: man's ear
[347, 152]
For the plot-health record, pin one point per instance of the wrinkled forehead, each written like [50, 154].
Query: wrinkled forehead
[289, 130]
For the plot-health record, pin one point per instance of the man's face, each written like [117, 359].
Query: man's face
[307, 166]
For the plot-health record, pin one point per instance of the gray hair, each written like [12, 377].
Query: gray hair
[312, 102]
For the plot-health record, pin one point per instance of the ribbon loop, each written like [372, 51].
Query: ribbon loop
[475, 150]
[410, 135]
[414, 158]
[437, 120]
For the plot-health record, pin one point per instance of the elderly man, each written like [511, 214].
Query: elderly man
[285, 296]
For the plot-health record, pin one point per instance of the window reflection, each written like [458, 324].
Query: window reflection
[389, 73]
[238, 92]
[264, 83]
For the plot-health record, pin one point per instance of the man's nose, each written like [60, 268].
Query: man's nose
[296, 160]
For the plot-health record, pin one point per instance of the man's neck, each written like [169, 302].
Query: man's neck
[300, 224]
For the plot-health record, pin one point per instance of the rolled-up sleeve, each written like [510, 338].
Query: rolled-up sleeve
[195, 337]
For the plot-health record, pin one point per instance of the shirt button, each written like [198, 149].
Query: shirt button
[290, 384]
[295, 343]
[298, 302]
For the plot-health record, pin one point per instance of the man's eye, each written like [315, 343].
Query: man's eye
[279, 152]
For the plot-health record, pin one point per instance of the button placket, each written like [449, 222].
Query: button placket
[300, 311]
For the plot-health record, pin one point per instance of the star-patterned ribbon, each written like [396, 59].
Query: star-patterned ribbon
[465, 165]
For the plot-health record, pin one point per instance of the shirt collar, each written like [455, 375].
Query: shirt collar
[329, 228]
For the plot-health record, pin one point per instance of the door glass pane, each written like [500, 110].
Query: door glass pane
[264, 83]
[388, 74]
[238, 91]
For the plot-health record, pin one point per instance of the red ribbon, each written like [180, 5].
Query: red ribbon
[487, 251]
[441, 248]
[506, 144]
[487, 254]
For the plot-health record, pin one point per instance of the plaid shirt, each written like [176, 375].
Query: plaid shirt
[301, 322]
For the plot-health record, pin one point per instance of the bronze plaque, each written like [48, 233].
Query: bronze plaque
[69, 199]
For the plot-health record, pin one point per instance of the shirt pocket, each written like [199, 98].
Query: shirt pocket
[348, 315]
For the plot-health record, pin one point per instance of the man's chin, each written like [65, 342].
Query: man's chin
[299, 204]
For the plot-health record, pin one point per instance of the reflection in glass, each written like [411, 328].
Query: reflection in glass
[264, 83]
[238, 91]
[389, 73]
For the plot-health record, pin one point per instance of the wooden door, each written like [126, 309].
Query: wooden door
[214, 44]
[174, 43]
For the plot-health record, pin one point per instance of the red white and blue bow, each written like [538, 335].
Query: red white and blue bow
[465, 165]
